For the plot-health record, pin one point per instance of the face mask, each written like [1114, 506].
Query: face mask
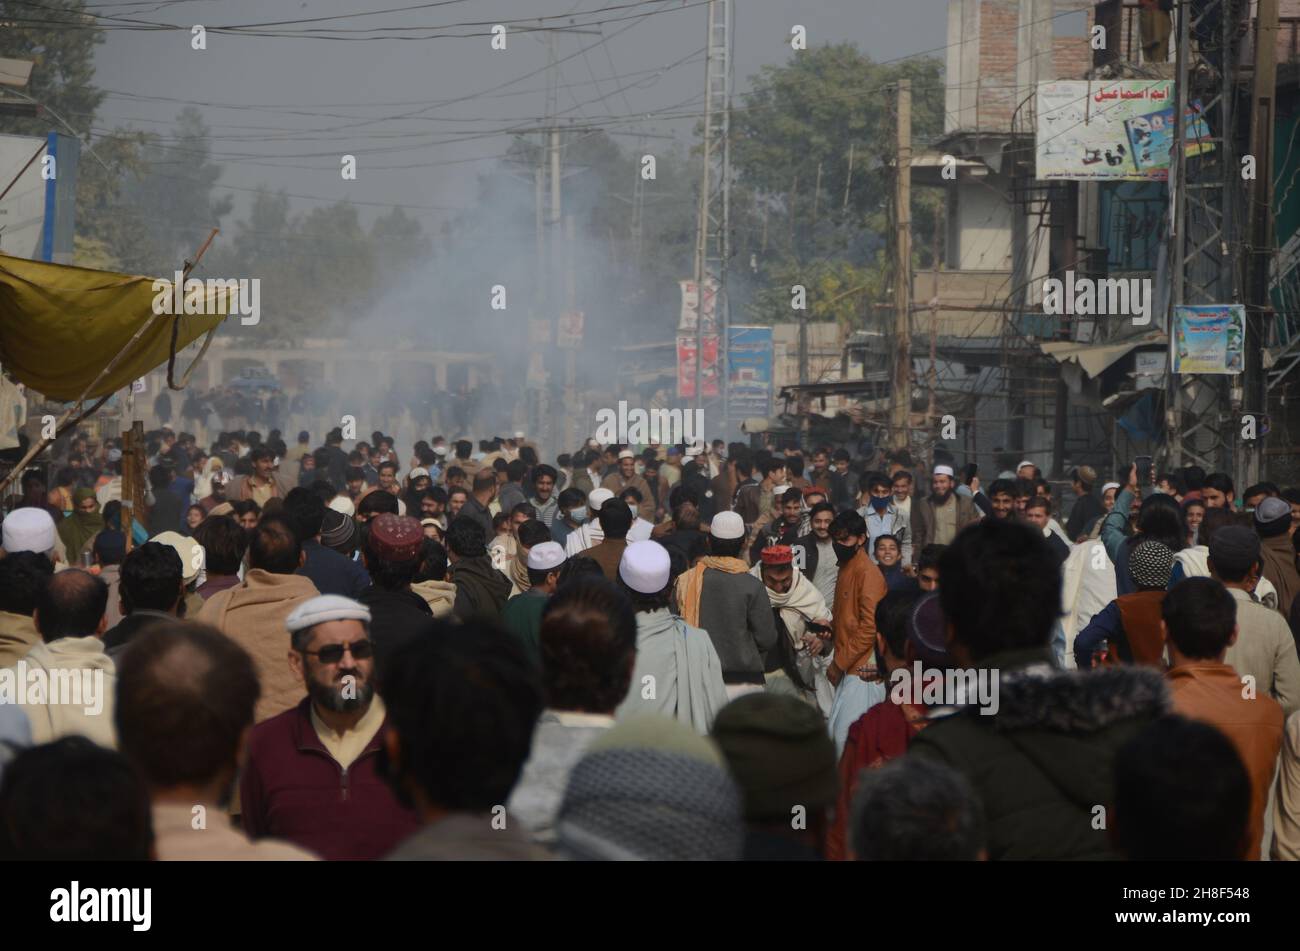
[639, 468]
[879, 504]
[844, 552]
[578, 515]
[632, 508]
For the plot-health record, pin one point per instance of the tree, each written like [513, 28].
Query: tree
[813, 151]
[55, 37]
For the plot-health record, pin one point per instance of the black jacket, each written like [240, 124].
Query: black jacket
[395, 618]
[1086, 510]
[475, 510]
[1043, 763]
[481, 590]
[788, 535]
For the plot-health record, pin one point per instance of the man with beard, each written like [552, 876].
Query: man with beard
[938, 518]
[185, 698]
[798, 665]
[220, 479]
[1002, 498]
[311, 776]
[783, 531]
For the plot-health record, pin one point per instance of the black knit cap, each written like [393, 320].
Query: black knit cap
[779, 753]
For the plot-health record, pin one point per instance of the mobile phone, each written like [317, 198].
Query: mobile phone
[972, 470]
[1146, 473]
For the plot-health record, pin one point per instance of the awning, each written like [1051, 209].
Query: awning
[60, 326]
[1094, 358]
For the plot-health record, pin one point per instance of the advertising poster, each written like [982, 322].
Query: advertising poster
[749, 371]
[686, 367]
[691, 306]
[1210, 338]
[1119, 130]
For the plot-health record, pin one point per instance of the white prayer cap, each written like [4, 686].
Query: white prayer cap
[191, 552]
[943, 470]
[440, 450]
[780, 489]
[343, 505]
[727, 525]
[1108, 486]
[598, 497]
[1024, 463]
[519, 434]
[326, 607]
[627, 454]
[545, 556]
[417, 472]
[693, 450]
[28, 529]
[645, 566]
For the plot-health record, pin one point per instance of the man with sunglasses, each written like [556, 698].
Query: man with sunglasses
[312, 777]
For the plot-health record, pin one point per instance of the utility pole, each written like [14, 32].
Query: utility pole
[901, 410]
[1206, 193]
[713, 221]
[1254, 398]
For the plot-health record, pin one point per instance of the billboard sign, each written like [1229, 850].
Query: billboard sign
[749, 371]
[1120, 130]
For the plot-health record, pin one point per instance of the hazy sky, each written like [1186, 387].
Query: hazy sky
[283, 110]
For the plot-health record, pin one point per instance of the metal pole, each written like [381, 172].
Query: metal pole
[900, 415]
[1177, 186]
[702, 223]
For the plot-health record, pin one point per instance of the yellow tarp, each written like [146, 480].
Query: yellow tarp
[61, 325]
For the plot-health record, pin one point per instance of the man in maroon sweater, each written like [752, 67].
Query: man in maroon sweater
[311, 775]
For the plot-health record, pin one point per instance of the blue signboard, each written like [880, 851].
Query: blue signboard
[749, 371]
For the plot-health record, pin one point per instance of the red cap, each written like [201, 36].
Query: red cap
[395, 537]
[778, 555]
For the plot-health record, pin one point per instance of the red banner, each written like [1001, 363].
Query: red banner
[686, 367]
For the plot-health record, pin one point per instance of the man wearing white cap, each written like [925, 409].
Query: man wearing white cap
[311, 776]
[626, 475]
[522, 615]
[937, 518]
[1027, 470]
[678, 672]
[720, 595]
[589, 533]
[192, 559]
[29, 529]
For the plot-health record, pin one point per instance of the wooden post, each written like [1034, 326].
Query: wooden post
[134, 466]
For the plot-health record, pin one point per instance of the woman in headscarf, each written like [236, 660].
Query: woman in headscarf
[79, 529]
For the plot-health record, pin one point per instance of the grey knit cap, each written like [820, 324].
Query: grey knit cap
[653, 790]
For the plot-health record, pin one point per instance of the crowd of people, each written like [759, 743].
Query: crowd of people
[641, 652]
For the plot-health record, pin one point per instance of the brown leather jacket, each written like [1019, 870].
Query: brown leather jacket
[858, 589]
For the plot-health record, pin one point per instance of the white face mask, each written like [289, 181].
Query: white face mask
[633, 509]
